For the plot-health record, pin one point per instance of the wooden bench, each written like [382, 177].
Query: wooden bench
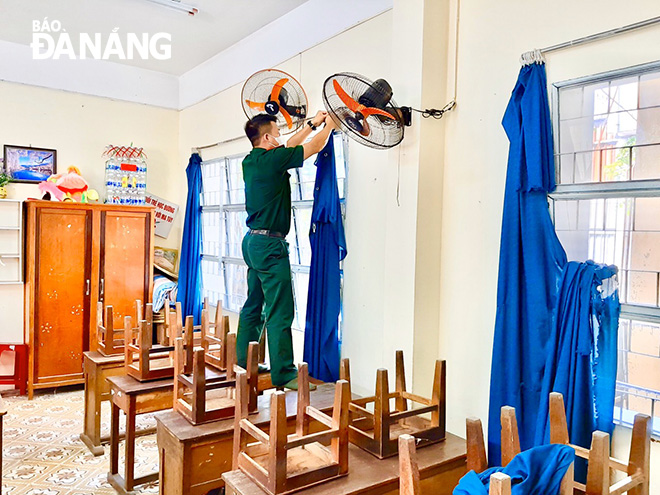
[97, 368]
[637, 468]
[378, 431]
[281, 463]
[133, 397]
[441, 465]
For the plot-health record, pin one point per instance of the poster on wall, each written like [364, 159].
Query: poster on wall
[165, 214]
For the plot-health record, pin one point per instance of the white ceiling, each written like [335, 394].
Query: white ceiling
[195, 39]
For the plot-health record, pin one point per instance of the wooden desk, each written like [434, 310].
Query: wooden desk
[97, 369]
[440, 467]
[133, 397]
[193, 458]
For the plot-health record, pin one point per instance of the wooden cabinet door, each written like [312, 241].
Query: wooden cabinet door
[125, 264]
[62, 288]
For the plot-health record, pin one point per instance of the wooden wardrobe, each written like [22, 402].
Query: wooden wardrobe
[75, 255]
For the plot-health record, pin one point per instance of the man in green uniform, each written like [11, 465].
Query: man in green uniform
[265, 250]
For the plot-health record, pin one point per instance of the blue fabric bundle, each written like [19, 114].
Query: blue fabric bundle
[537, 471]
[328, 244]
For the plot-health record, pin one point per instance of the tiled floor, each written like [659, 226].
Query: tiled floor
[43, 455]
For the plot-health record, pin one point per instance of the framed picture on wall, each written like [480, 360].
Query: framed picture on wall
[26, 164]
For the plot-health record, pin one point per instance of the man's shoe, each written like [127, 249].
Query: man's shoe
[293, 385]
[263, 368]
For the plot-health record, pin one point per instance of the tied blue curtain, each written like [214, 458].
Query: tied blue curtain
[328, 243]
[531, 261]
[537, 471]
[582, 354]
[190, 266]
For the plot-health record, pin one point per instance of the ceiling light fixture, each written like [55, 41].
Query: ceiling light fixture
[177, 5]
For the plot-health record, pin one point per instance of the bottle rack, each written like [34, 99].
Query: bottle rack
[125, 175]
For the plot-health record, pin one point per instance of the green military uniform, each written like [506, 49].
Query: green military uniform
[268, 204]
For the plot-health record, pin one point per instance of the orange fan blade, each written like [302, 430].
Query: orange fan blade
[376, 111]
[275, 93]
[345, 97]
[257, 106]
[287, 117]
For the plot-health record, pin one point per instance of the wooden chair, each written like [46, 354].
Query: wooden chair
[282, 463]
[214, 338]
[152, 362]
[377, 431]
[476, 450]
[110, 341]
[500, 484]
[598, 472]
[200, 398]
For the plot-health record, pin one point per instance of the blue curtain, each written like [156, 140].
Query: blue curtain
[328, 243]
[531, 260]
[190, 266]
[555, 329]
[582, 354]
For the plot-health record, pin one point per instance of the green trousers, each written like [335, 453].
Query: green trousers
[269, 292]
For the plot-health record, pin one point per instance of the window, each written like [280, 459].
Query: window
[224, 273]
[607, 208]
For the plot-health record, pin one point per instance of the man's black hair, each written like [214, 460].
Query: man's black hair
[257, 126]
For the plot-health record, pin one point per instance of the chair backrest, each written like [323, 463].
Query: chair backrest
[598, 472]
[409, 478]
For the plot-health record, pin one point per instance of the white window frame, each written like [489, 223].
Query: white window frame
[627, 189]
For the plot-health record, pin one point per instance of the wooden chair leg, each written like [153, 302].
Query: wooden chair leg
[640, 453]
[476, 450]
[345, 372]
[598, 472]
[278, 439]
[510, 439]
[439, 397]
[401, 404]
[382, 408]
[408, 468]
[500, 484]
[302, 420]
[240, 440]
[339, 445]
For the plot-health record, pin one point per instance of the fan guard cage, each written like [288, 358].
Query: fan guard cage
[384, 133]
[258, 88]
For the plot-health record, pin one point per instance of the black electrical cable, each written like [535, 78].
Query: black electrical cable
[434, 112]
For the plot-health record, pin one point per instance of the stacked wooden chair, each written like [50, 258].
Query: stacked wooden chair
[378, 431]
[636, 481]
[153, 362]
[500, 484]
[110, 341]
[203, 394]
[281, 463]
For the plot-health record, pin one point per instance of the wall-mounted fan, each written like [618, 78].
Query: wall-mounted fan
[274, 92]
[366, 111]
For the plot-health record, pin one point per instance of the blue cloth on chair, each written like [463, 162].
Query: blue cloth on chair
[531, 260]
[326, 236]
[537, 471]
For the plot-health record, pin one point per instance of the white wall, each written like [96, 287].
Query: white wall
[492, 37]
[79, 127]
